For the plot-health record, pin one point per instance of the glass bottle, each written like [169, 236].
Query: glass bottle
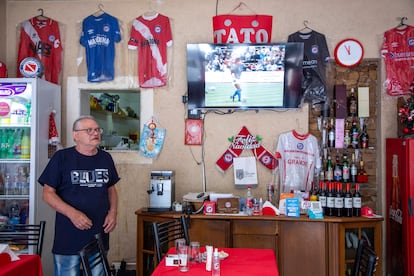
[347, 139]
[216, 263]
[352, 104]
[249, 201]
[362, 174]
[354, 134]
[322, 196]
[345, 168]
[339, 200]
[331, 134]
[330, 200]
[356, 202]
[353, 169]
[363, 137]
[338, 168]
[348, 201]
[329, 169]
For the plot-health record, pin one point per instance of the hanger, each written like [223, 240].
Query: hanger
[240, 6]
[41, 16]
[151, 11]
[402, 25]
[306, 29]
[100, 10]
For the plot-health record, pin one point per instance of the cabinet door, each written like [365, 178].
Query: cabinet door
[304, 248]
[210, 232]
[255, 234]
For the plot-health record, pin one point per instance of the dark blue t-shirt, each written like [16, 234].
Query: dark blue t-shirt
[82, 182]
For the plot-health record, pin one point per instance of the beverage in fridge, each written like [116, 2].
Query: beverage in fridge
[25, 108]
[400, 196]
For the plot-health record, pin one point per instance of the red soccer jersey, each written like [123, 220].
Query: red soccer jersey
[398, 54]
[40, 38]
[152, 37]
[3, 70]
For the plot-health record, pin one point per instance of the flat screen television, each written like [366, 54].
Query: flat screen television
[244, 76]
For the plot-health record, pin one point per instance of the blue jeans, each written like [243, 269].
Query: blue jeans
[69, 265]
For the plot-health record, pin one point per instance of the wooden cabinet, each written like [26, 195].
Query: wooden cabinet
[302, 246]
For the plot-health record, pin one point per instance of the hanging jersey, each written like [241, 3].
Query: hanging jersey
[298, 156]
[40, 38]
[398, 53]
[3, 70]
[99, 35]
[151, 36]
[315, 58]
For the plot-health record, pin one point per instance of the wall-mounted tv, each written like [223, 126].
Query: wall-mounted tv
[244, 76]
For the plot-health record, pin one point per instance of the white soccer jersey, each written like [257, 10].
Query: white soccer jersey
[298, 156]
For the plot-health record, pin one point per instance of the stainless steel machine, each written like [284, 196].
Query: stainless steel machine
[161, 191]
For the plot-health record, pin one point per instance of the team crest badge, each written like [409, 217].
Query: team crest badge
[31, 67]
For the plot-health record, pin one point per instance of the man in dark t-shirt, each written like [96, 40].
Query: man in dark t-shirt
[79, 183]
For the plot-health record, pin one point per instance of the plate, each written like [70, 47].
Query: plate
[223, 255]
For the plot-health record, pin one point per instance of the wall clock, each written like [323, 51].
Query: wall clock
[349, 52]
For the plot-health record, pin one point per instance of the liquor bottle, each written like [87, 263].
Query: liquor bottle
[249, 201]
[353, 170]
[345, 168]
[363, 137]
[354, 134]
[339, 200]
[348, 201]
[347, 139]
[356, 202]
[330, 200]
[352, 104]
[322, 196]
[329, 169]
[338, 168]
[331, 134]
[314, 193]
[362, 174]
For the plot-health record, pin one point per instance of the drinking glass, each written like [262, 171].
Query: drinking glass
[178, 243]
[194, 252]
[183, 265]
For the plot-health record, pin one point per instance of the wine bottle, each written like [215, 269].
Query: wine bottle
[330, 200]
[356, 202]
[348, 201]
[322, 196]
[339, 200]
[329, 169]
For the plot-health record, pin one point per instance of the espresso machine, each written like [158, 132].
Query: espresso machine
[161, 191]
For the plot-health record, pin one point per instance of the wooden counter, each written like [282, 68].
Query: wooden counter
[302, 246]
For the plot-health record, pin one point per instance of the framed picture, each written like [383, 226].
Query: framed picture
[193, 131]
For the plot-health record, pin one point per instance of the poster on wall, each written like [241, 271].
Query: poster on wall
[193, 131]
[245, 171]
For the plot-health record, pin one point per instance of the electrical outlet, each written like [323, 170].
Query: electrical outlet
[116, 265]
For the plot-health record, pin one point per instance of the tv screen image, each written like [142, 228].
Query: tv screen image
[243, 76]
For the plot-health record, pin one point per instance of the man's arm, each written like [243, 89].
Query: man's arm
[110, 220]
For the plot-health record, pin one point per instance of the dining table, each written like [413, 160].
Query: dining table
[27, 265]
[239, 262]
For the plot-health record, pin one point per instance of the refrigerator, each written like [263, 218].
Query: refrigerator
[26, 106]
[399, 200]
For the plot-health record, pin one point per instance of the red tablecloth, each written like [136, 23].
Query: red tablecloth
[241, 261]
[28, 265]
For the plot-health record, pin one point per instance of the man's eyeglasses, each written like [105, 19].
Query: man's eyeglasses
[90, 131]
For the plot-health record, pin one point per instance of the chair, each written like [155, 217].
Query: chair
[166, 232]
[24, 235]
[366, 260]
[92, 255]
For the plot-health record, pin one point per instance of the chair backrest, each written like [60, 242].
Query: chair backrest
[166, 232]
[93, 255]
[366, 260]
[22, 236]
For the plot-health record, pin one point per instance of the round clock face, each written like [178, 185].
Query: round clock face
[349, 52]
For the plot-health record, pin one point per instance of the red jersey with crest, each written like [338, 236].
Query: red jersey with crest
[3, 70]
[151, 36]
[40, 38]
[398, 54]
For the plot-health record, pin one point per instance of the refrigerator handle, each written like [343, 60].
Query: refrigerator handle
[410, 208]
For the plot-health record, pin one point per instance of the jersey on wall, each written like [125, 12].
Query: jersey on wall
[99, 35]
[298, 157]
[315, 58]
[151, 36]
[40, 38]
[398, 54]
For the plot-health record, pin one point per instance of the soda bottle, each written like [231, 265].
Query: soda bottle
[25, 151]
[249, 200]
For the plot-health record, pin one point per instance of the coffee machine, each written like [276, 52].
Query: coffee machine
[161, 191]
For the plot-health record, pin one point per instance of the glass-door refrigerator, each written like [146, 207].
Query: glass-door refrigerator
[25, 108]
[400, 206]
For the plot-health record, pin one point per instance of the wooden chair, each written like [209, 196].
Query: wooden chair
[166, 232]
[22, 236]
[92, 255]
[366, 260]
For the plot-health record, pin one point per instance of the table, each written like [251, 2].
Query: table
[240, 262]
[28, 265]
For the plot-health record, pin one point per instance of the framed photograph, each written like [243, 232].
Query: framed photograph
[193, 131]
